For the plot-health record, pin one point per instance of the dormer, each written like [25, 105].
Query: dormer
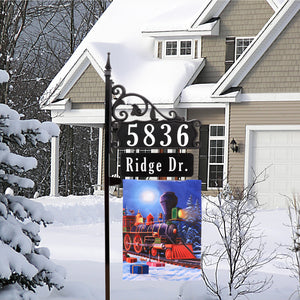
[182, 43]
[170, 48]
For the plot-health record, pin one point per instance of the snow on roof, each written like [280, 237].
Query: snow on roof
[177, 15]
[119, 31]
[197, 93]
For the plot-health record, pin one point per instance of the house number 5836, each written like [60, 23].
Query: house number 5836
[157, 135]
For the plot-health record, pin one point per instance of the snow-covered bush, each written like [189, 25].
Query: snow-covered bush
[22, 261]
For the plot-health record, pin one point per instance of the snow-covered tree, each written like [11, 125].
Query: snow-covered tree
[22, 262]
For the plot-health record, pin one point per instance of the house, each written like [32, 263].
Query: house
[232, 64]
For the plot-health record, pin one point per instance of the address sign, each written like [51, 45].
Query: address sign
[157, 134]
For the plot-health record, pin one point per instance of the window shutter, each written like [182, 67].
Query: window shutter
[203, 155]
[159, 49]
[230, 52]
[196, 49]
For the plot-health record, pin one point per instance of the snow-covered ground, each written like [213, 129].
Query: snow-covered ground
[76, 241]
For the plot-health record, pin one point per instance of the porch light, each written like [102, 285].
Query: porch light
[234, 146]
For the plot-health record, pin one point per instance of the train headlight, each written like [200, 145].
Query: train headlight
[182, 214]
[174, 230]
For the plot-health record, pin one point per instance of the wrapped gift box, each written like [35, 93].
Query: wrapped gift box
[155, 264]
[131, 259]
[139, 269]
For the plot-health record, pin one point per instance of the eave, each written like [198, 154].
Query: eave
[207, 29]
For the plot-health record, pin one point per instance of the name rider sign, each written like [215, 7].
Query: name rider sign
[157, 164]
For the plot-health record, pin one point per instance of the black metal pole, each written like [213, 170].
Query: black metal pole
[107, 127]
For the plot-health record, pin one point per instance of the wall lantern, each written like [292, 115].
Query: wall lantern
[234, 146]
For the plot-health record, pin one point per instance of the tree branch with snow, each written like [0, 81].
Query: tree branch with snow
[22, 262]
[240, 249]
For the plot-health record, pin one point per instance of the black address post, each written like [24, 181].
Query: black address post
[107, 128]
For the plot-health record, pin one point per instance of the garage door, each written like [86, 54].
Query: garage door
[277, 152]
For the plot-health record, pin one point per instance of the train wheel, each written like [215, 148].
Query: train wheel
[137, 242]
[154, 252]
[127, 242]
[168, 254]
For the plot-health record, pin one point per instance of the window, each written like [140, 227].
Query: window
[235, 46]
[177, 48]
[216, 156]
[241, 45]
[185, 48]
[171, 48]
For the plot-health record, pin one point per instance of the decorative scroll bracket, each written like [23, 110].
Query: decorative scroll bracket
[160, 131]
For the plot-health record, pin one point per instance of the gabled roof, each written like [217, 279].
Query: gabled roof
[119, 31]
[263, 40]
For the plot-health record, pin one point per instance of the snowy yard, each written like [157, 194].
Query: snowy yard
[76, 241]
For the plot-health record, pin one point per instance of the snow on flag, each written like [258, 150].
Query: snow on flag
[162, 229]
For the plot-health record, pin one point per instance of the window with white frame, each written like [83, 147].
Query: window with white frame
[177, 48]
[216, 156]
[185, 47]
[241, 44]
[171, 48]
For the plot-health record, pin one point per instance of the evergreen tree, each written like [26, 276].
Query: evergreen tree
[190, 210]
[198, 211]
[22, 262]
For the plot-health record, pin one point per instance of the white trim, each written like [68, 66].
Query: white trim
[64, 84]
[100, 152]
[195, 32]
[79, 117]
[250, 129]
[178, 47]
[165, 55]
[273, 4]
[212, 9]
[257, 48]
[236, 45]
[54, 177]
[226, 146]
[270, 97]
[201, 105]
[218, 138]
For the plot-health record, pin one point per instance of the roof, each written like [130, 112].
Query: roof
[119, 31]
[227, 88]
[263, 40]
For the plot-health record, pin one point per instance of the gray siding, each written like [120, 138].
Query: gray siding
[278, 71]
[240, 18]
[89, 89]
[255, 113]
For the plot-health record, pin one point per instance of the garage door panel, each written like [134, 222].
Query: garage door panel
[262, 155]
[295, 139]
[277, 152]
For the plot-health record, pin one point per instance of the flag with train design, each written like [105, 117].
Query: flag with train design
[162, 228]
